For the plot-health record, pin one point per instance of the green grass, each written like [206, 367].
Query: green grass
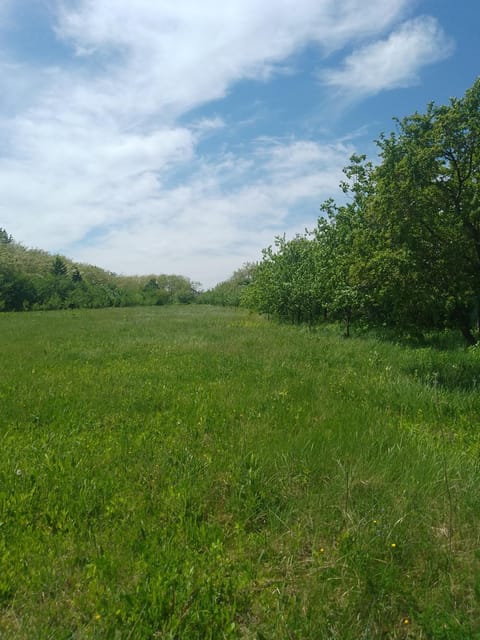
[190, 472]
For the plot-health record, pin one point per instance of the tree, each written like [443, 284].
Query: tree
[231, 292]
[404, 251]
[5, 238]
[75, 275]
[17, 292]
[427, 205]
[59, 267]
[285, 283]
[153, 294]
[342, 238]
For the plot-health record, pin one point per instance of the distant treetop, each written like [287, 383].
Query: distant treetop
[5, 238]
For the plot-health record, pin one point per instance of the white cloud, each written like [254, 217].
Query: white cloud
[393, 62]
[67, 178]
[205, 125]
[177, 55]
[206, 229]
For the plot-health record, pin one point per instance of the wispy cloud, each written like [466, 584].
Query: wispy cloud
[228, 209]
[177, 55]
[392, 62]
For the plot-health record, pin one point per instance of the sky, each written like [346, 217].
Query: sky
[162, 136]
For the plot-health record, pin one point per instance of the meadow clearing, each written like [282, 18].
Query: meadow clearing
[197, 472]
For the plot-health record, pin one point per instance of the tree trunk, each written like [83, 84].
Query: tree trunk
[468, 335]
[347, 323]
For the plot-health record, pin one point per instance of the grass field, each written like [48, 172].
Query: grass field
[195, 472]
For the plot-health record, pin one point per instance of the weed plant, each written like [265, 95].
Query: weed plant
[196, 472]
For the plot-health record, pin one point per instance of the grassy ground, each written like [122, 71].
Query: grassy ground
[190, 472]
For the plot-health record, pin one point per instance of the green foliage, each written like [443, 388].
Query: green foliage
[190, 472]
[76, 275]
[285, 283]
[231, 292]
[17, 292]
[426, 203]
[59, 267]
[156, 290]
[404, 251]
[5, 238]
[32, 279]
[153, 294]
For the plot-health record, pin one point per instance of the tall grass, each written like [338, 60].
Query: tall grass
[202, 473]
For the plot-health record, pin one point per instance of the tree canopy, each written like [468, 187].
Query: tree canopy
[34, 279]
[404, 250]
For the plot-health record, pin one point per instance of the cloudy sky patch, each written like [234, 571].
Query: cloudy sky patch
[392, 62]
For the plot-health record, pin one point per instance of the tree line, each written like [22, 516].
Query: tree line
[403, 250]
[31, 279]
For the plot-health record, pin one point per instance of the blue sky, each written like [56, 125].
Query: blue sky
[182, 137]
